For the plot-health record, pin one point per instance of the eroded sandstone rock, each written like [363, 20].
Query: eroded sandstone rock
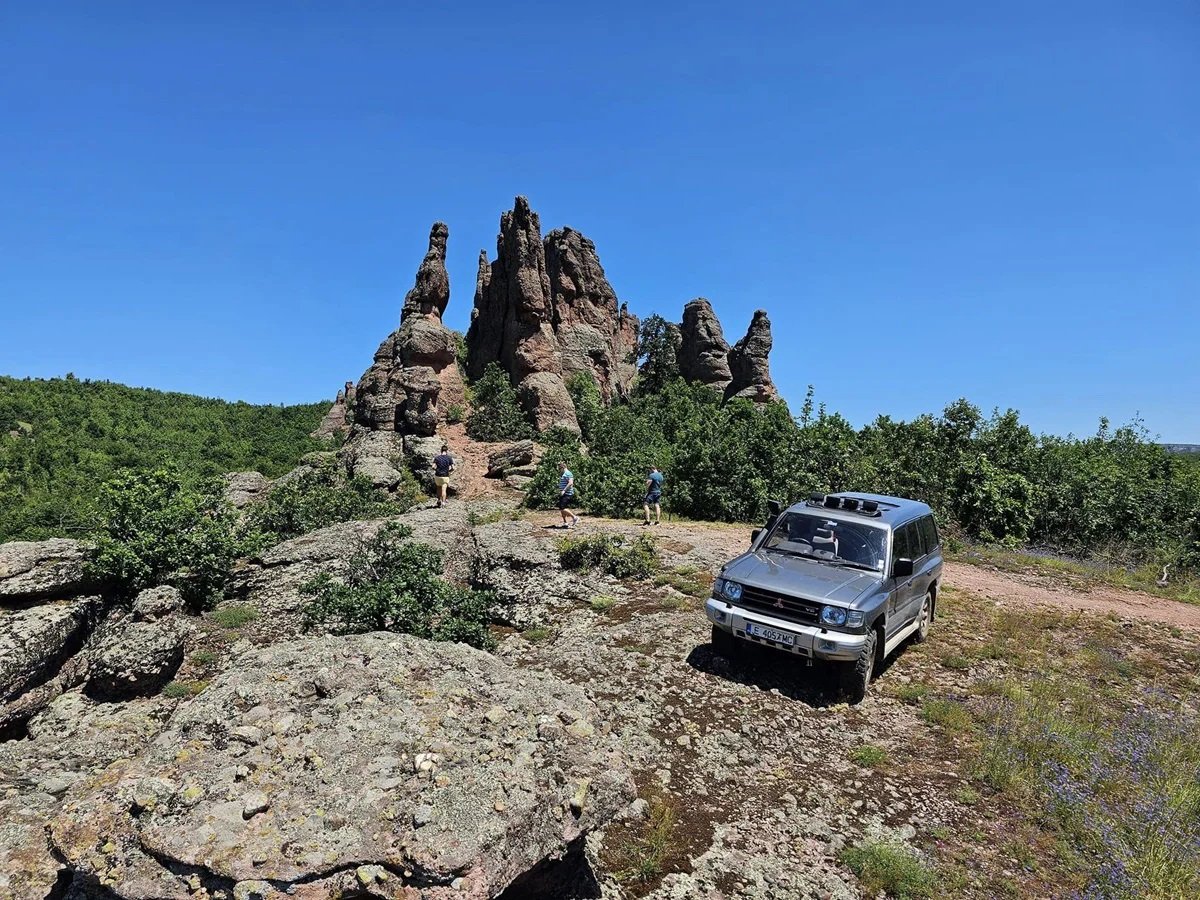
[42, 570]
[749, 365]
[703, 352]
[245, 488]
[513, 456]
[134, 659]
[327, 765]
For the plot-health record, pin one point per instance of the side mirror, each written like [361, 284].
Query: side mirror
[754, 535]
[775, 507]
[902, 568]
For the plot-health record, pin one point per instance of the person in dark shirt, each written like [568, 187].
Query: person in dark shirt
[654, 483]
[443, 465]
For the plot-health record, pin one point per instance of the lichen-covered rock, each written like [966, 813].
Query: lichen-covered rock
[512, 456]
[380, 762]
[34, 642]
[157, 603]
[135, 659]
[70, 741]
[245, 488]
[749, 366]
[514, 562]
[703, 352]
[42, 570]
[375, 455]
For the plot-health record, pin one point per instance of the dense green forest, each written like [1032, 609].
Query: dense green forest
[1114, 494]
[60, 439]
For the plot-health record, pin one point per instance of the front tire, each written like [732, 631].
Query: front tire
[856, 678]
[725, 644]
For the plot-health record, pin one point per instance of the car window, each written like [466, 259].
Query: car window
[900, 548]
[929, 532]
[916, 541]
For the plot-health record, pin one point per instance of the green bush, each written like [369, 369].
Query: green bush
[323, 497]
[496, 413]
[455, 413]
[394, 584]
[615, 554]
[156, 529]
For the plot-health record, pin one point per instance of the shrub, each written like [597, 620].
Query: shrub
[496, 413]
[455, 413]
[394, 584]
[602, 603]
[155, 529]
[615, 554]
[891, 868]
[323, 497]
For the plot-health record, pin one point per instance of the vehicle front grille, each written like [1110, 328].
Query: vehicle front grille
[781, 605]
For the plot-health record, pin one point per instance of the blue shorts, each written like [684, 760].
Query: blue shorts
[565, 501]
[653, 497]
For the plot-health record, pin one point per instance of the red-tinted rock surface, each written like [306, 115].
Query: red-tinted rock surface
[544, 310]
[749, 366]
[415, 365]
[337, 418]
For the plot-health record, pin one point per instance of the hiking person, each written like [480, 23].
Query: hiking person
[443, 465]
[566, 493]
[654, 482]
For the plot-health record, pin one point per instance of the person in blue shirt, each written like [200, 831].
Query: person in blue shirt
[654, 482]
[566, 493]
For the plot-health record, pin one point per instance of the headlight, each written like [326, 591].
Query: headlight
[833, 615]
[730, 590]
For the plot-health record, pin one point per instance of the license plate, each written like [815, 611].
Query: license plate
[771, 634]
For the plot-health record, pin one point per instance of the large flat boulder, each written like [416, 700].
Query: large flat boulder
[379, 765]
[42, 570]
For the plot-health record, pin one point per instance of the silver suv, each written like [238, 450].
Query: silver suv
[840, 577]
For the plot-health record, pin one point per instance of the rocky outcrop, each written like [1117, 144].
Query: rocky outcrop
[512, 456]
[596, 334]
[134, 659]
[544, 310]
[32, 571]
[703, 352]
[157, 603]
[749, 366]
[245, 488]
[377, 765]
[35, 642]
[523, 571]
[413, 379]
[338, 418]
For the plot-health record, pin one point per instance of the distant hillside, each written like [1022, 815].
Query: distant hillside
[1184, 449]
[61, 438]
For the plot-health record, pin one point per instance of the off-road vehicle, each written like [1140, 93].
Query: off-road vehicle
[841, 577]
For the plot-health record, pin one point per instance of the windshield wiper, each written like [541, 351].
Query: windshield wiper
[854, 565]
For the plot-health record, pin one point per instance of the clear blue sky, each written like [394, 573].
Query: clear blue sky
[991, 200]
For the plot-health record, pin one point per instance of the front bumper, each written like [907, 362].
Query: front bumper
[811, 641]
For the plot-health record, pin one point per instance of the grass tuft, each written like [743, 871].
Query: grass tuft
[869, 756]
[234, 616]
[891, 868]
[641, 857]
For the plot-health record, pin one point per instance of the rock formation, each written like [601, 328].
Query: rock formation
[338, 417]
[749, 367]
[596, 334]
[703, 351]
[401, 389]
[544, 310]
[704, 356]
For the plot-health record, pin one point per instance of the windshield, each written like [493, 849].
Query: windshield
[814, 535]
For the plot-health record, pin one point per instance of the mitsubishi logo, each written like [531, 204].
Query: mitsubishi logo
[779, 603]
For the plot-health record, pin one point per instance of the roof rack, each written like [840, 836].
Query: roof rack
[847, 504]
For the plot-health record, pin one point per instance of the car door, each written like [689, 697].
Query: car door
[922, 569]
[901, 597]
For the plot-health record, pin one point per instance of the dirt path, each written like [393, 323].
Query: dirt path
[471, 464]
[712, 544]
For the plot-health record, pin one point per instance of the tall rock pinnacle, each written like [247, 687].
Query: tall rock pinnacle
[748, 364]
[703, 352]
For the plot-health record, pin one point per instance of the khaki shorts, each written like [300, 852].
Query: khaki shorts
[441, 480]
